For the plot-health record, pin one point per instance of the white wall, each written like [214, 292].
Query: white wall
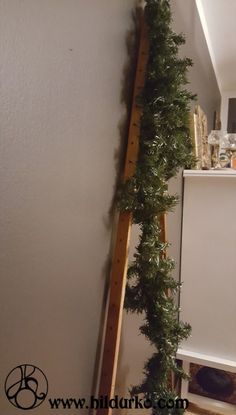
[201, 76]
[62, 64]
[61, 69]
[217, 15]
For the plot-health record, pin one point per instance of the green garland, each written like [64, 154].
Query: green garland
[165, 146]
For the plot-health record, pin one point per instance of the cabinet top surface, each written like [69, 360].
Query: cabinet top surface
[210, 173]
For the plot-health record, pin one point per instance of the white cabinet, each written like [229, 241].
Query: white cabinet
[208, 268]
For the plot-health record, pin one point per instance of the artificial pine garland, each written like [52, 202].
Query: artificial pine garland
[165, 146]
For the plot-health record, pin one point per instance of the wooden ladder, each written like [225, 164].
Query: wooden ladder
[120, 255]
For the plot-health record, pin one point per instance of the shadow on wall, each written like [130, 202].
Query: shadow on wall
[202, 78]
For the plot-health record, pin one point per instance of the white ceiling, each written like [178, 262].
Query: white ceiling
[219, 24]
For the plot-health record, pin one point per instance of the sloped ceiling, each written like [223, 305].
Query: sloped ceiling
[219, 24]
